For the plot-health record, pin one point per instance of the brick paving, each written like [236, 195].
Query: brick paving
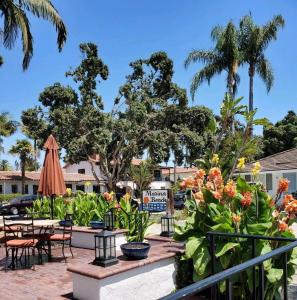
[51, 280]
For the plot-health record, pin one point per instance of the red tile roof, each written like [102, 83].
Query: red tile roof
[34, 176]
[286, 160]
[179, 170]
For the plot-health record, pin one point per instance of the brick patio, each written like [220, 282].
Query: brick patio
[49, 281]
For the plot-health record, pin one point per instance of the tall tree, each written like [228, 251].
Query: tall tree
[254, 40]
[15, 19]
[225, 56]
[280, 136]
[7, 127]
[35, 128]
[24, 150]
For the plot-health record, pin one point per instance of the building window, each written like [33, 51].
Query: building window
[269, 186]
[248, 178]
[68, 186]
[96, 189]
[157, 174]
[81, 171]
[1, 189]
[14, 188]
[26, 189]
[80, 188]
[35, 189]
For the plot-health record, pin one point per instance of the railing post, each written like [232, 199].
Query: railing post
[212, 255]
[261, 282]
[285, 274]
[254, 270]
[228, 289]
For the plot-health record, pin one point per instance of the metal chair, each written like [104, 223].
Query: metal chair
[19, 235]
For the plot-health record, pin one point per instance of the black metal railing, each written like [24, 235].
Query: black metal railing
[226, 275]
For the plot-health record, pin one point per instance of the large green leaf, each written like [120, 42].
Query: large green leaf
[192, 245]
[259, 228]
[201, 258]
[223, 227]
[242, 185]
[274, 275]
[223, 248]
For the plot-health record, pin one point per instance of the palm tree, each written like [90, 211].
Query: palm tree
[254, 40]
[24, 150]
[7, 127]
[15, 20]
[225, 56]
[5, 165]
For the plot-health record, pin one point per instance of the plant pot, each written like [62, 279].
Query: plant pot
[97, 224]
[66, 223]
[135, 250]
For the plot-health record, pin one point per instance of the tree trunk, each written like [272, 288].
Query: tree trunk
[23, 176]
[35, 155]
[251, 92]
[230, 84]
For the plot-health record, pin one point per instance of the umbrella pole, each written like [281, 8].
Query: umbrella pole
[52, 207]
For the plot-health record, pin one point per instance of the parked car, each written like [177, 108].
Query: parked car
[17, 205]
[179, 199]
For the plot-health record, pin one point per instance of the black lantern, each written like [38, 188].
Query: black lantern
[109, 220]
[105, 249]
[167, 226]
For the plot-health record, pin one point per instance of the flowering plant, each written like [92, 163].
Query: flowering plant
[236, 207]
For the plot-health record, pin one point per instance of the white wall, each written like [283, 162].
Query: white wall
[73, 168]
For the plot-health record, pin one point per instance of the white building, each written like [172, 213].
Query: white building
[11, 182]
[274, 167]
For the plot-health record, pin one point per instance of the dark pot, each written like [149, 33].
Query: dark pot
[97, 224]
[135, 250]
[66, 223]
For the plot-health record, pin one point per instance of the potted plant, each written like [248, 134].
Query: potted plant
[136, 222]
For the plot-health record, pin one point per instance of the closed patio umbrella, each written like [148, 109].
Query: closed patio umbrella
[51, 182]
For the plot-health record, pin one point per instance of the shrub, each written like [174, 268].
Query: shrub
[8, 197]
[236, 207]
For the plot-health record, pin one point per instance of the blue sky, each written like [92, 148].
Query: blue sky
[131, 29]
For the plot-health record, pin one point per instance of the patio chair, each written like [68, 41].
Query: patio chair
[65, 237]
[22, 239]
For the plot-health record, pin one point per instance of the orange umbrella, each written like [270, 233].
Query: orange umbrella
[51, 178]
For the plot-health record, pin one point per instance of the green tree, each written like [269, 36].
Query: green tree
[5, 165]
[281, 136]
[15, 19]
[253, 41]
[35, 128]
[24, 150]
[7, 127]
[225, 56]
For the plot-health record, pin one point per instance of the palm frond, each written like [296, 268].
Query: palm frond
[265, 71]
[269, 30]
[216, 33]
[45, 10]
[206, 74]
[205, 56]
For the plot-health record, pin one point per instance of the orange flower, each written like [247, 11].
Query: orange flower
[214, 173]
[209, 185]
[217, 195]
[189, 182]
[282, 226]
[287, 199]
[291, 207]
[247, 199]
[107, 196]
[200, 174]
[230, 188]
[283, 185]
[236, 218]
[199, 197]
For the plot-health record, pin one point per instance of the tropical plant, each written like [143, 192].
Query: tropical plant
[7, 127]
[129, 217]
[142, 174]
[236, 207]
[225, 56]
[253, 41]
[24, 150]
[15, 19]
